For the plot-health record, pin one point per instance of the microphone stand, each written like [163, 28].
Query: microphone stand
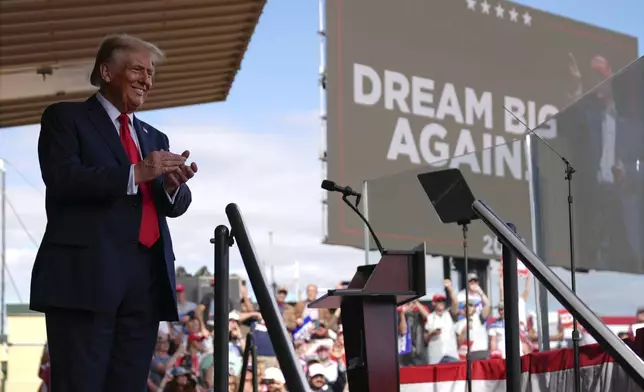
[468, 359]
[571, 237]
[345, 198]
[573, 282]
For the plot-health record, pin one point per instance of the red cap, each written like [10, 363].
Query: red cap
[180, 288]
[439, 297]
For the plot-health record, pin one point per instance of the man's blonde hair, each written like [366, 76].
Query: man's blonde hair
[112, 44]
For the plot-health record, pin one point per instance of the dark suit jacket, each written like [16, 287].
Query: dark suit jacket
[628, 143]
[92, 224]
[624, 220]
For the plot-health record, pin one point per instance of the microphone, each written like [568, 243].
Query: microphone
[346, 192]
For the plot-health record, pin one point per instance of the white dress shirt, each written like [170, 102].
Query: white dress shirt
[114, 113]
[607, 160]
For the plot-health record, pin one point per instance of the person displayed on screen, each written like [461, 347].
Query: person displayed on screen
[606, 146]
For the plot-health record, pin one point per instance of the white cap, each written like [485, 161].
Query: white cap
[316, 370]
[273, 373]
[233, 316]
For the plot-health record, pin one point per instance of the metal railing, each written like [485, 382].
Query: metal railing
[280, 339]
[621, 353]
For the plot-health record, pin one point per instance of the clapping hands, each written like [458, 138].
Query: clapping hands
[173, 180]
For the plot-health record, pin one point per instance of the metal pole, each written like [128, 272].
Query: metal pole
[273, 283]
[538, 241]
[245, 357]
[3, 173]
[222, 282]
[468, 357]
[297, 280]
[573, 283]
[365, 212]
[253, 356]
[512, 339]
[322, 103]
[280, 338]
[270, 255]
[3, 335]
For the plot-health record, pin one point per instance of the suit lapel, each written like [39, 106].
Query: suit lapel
[146, 142]
[106, 129]
[143, 136]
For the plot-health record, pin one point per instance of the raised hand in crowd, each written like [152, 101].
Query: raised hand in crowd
[453, 300]
[476, 288]
[578, 87]
[485, 312]
[420, 308]
[243, 291]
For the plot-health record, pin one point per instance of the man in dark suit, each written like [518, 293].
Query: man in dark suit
[608, 148]
[104, 273]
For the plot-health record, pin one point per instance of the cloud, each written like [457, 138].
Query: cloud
[274, 177]
[309, 120]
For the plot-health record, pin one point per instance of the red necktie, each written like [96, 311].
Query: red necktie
[149, 231]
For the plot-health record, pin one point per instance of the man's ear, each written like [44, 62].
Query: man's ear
[106, 75]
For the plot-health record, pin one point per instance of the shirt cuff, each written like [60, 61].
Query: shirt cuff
[173, 196]
[132, 187]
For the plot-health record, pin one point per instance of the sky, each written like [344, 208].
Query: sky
[260, 150]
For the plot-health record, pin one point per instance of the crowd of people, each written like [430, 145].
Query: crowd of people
[429, 333]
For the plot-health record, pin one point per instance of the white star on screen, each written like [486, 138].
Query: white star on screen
[499, 11]
[527, 19]
[485, 7]
[471, 4]
[513, 15]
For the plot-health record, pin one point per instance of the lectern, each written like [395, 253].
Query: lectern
[369, 317]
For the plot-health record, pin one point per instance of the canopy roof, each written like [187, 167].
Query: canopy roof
[47, 49]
